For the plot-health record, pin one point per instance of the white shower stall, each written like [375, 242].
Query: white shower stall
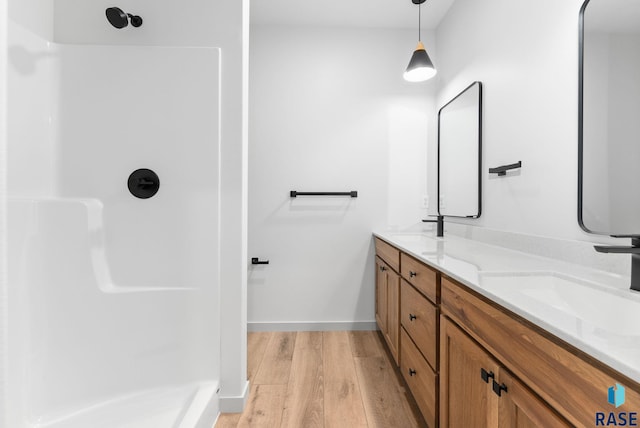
[113, 316]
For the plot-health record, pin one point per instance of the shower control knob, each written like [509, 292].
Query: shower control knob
[143, 183]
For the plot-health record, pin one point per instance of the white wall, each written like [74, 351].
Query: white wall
[34, 16]
[329, 111]
[165, 23]
[3, 214]
[526, 55]
[30, 93]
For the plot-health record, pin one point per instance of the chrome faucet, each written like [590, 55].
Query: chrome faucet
[634, 250]
[440, 225]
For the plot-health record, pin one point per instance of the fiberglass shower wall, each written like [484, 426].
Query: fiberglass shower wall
[114, 300]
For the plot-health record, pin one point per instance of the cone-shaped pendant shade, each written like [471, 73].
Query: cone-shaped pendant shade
[420, 67]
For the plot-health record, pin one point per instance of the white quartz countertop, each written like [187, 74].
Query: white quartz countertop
[591, 309]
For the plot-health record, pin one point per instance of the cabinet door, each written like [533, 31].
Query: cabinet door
[393, 313]
[381, 294]
[466, 399]
[520, 408]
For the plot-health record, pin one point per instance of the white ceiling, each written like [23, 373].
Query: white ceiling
[349, 13]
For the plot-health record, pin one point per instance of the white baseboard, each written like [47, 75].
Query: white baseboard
[235, 404]
[312, 326]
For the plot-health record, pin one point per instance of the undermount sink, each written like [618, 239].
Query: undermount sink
[569, 303]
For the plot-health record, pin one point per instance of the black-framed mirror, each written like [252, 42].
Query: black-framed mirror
[460, 154]
[609, 118]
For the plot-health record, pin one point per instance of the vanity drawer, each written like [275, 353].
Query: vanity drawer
[420, 319]
[389, 254]
[420, 276]
[421, 379]
[573, 383]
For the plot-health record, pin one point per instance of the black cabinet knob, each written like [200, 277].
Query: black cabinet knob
[412, 372]
[382, 268]
[412, 317]
[412, 274]
[485, 375]
[498, 388]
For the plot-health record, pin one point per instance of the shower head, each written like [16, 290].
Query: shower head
[120, 19]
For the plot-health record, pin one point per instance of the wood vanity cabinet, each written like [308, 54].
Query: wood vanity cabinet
[388, 295]
[477, 391]
[470, 362]
[550, 373]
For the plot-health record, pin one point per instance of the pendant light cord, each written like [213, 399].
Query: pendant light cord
[419, 21]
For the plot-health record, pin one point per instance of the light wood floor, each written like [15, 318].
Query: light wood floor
[323, 379]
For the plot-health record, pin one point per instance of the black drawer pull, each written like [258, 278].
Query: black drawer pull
[498, 388]
[412, 274]
[485, 375]
[412, 372]
[412, 317]
[382, 268]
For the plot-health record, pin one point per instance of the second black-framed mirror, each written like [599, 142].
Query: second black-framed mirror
[460, 154]
[609, 118]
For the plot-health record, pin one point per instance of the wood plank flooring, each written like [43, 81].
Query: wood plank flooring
[323, 379]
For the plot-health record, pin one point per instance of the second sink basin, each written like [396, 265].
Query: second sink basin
[570, 304]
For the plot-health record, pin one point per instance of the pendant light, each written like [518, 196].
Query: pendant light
[420, 67]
